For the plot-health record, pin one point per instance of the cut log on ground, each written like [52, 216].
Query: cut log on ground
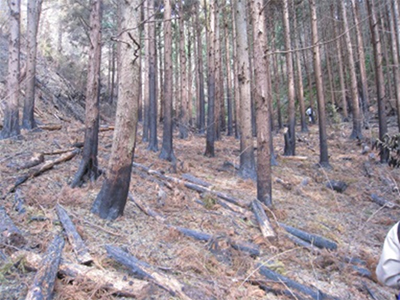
[263, 221]
[50, 127]
[302, 243]
[9, 233]
[79, 247]
[35, 160]
[266, 286]
[337, 185]
[45, 167]
[313, 239]
[43, 283]
[104, 279]
[145, 271]
[314, 293]
[382, 202]
[249, 248]
[193, 186]
[193, 179]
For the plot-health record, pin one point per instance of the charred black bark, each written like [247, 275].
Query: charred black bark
[111, 200]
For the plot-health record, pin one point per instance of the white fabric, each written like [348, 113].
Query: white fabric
[388, 269]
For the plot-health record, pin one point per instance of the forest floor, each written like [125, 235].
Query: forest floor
[209, 270]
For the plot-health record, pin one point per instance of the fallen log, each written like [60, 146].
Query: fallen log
[43, 283]
[262, 219]
[193, 179]
[50, 127]
[249, 248]
[277, 291]
[35, 160]
[382, 202]
[148, 211]
[79, 247]
[302, 243]
[9, 233]
[145, 271]
[104, 279]
[313, 239]
[193, 186]
[314, 293]
[45, 167]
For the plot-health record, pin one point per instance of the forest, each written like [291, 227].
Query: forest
[187, 149]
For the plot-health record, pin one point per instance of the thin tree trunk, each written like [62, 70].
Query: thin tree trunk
[183, 117]
[247, 161]
[340, 69]
[361, 57]
[263, 99]
[218, 78]
[300, 87]
[34, 9]
[323, 143]
[210, 137]
[356, 132]
[201, 98]
[146, 67]
[290, 135]
[379, 78]
[111, 200]
[153, 139]
[89, 169]
[235, 73]
[190, 78]
[228, 77]
[11, 115]
[167, 151]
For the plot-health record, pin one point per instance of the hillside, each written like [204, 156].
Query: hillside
[213, 269]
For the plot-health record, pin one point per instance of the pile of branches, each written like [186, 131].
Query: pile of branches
[391, 144]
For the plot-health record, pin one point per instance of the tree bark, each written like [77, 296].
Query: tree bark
[235, 73]
[323, 143]
[229, 87]
[11, 112]
[200, 72]
[89, 164]
[262, 93]
[183, 116]
[43, 283]
[153, 121]
[300, 87]
[379, 78]
[210, 137]
[34, 9]
[247, 161]
[356, 132]
[111, 200]
[167, 151]
[290, 135]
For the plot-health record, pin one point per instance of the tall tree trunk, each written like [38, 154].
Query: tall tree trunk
[392, 23]
[11, 112]
[153, 139]
[89, 169]
[218, 79]
[190, 78]
[112, 83]
[34, 9]
[361, 57]
[228, 76]
[183, 117]
[247, 161]
[200, 69]
[277, 91]
[210, 137]
[263, 99]
[323, 143]
[235, 73]
[356, 132]
[300, 87]
[146, 86]
[111, 200]
[343, 101]
[379, 79]
[290, 135]
[167, 151]
[396, 40]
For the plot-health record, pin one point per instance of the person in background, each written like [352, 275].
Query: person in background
[388, 269]
[311, 115]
